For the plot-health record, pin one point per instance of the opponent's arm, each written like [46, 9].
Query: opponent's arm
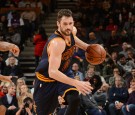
[5, 46]
[5, 78]
[55, 50]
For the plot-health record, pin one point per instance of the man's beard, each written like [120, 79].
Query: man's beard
[66, 33]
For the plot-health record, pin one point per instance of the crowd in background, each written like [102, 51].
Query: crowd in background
[110, 23]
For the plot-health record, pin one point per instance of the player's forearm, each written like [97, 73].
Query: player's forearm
[2, 77]
[5, 46]
[59, 76]
[81, 44]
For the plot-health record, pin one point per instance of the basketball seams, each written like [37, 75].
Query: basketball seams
[95, 56]
[101, 56]
[95, 50]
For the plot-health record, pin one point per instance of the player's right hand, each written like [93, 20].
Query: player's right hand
[84, 87]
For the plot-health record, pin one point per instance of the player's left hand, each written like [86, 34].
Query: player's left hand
[15, 50]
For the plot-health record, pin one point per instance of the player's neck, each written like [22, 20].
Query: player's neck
[68, 41]
[67, 38]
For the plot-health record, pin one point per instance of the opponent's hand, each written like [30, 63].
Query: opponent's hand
[15, 50]
[83, 87]
[6, 78]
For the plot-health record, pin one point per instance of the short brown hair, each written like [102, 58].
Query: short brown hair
[64, 12]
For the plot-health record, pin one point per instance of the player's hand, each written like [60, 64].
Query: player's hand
[7, 78]
[84, 87]
[15, 50]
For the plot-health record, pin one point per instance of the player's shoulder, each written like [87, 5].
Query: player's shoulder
[57, 42]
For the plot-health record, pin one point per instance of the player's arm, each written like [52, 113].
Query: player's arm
[55, 49]
[78, 42]
[5, 78]
[5, 46]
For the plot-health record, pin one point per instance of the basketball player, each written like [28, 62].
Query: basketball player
[5, 46]
[53, 72]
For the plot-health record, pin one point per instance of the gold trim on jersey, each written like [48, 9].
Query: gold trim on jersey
[70, 89]
[43, 78]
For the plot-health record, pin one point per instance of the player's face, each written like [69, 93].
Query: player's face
[65, 25]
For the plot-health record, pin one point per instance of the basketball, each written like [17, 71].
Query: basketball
[95, 54]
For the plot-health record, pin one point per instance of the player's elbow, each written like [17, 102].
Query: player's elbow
[52, 73]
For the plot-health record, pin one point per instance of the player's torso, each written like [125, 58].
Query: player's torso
[65, 60]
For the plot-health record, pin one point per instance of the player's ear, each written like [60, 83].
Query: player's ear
[58, 23]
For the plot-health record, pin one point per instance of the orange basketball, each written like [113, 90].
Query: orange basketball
[95, 54]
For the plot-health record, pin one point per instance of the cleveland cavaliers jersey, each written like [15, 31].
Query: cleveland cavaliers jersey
[67, 55]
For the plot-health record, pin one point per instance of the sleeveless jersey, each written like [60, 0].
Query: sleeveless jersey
[66, 58]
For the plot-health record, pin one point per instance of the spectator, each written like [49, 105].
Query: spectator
[89, 105]
[111, 26]
[27, 108]
[29, 18]
[13, 36]
[3, 23]
[101, 96]
[22, 3]
[129, 108]
[16, 21]
[76, 72]
[10, 101]
[20, 82]
[79, 57]
[116, 73]
[40, 40]
[124, 49]
[131, 54]
[23, 94]
[129, 27]
[117, 97]
[94, 40]
[62, 108]
[130, 77]
[114, 57]
[113, 43]
[108, 70]
[89, 73]
[124, 37]
[96, 83]
[12, 68]
[4, 89]
[125, 64]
